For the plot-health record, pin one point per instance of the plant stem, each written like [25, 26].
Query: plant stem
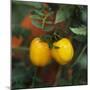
[58, 76]
[79, 56]
[33, 79]
[44, 20]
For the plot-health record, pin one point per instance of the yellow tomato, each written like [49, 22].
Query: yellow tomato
[62, 51]
[39, 52]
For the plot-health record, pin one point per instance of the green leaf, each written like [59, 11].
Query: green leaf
[38, 12]
[79, 38]
[19, 77]
[25, 33]
[78, 60]
[48, 22]
[46, 37]
[48, 28]
[22, 75]
[64, 13]
[37, 24]
[28, 3]
[83, 15]
[19, 11]
[36, 17]
[83, 61]
[34, 4]
[16, 31]
[79, 30]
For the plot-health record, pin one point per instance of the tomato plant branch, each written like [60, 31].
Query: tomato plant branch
[44, 20]
[56, 36]
[34, 77]
[78, 58]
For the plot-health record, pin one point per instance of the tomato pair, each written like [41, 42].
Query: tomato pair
[40, 53]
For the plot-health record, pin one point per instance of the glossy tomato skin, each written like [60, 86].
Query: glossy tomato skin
[39, 52]
[64, 52]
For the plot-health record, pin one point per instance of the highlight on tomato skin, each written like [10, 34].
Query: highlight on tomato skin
[39, 52]
[65, 51]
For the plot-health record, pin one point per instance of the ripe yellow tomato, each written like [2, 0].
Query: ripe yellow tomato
[62, 51]
[40, 54]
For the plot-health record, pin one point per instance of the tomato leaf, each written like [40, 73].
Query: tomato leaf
[38, 12]
[83, 61]
[36, 17]
[79, 30]
[19, 76]
[48, 28]
[83, 15]
[39, 25]
[64, 13]
[25, 33]
[80, 38]
[34, 4]
[80, 59]
[16, 31]
[31, 4]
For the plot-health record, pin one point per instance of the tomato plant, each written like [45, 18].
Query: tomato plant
[49, 44]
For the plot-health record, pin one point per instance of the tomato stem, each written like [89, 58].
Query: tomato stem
[44, 20]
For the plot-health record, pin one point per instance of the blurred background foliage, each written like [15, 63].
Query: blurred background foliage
[50, 21]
